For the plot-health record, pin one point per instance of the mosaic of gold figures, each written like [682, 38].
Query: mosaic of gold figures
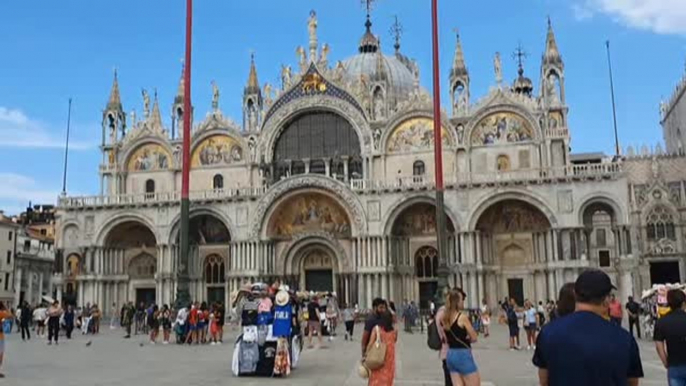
[309, 212]
[217, 150]
[418, 220]
[513, 216]
[501, 128]
[149, 157]
[416, 134]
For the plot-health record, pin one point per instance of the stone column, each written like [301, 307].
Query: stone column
[481, 294]
[552, 289]
[59, 293]
[477, 239]
[40, 286]
[17, 285]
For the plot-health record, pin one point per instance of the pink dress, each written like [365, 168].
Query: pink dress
[386, 374]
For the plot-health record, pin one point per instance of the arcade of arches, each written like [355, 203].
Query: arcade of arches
[514, 250]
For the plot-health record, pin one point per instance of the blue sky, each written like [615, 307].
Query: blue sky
[53, 50]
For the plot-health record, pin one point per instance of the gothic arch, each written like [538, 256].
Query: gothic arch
[108, 225]
[399, 206]
[278, 121]
[298, 184]
[519, 195]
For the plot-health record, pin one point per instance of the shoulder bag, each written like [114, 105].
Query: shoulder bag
[376, 352]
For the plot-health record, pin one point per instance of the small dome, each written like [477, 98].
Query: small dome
[523, 85]
[400, 78]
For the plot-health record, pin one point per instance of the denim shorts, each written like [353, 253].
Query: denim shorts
[461, 361]
[676, 375]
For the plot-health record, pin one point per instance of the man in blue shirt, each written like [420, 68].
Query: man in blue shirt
[584, 348]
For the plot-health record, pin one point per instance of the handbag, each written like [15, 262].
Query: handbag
[376, 352]
[433, 338]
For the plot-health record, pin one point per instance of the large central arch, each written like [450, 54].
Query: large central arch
[294, 185]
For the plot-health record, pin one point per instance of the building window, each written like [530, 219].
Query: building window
[218, 182]
[426, 262]
[27, 245]
[317, 167]
[150, 186]
[7, 281]
[418, 168]
[503, 163]
[9, 257]
[10, 236]
[214, 270]
[600, 238]
[660, 225]
[604, 258]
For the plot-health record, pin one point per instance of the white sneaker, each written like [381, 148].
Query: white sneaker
[152, 343]
[213, 344]
[512, 349]
[528, 348]
[165, 342]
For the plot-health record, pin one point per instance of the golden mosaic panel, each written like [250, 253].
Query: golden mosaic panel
[149, 157]
[217, 150]
[309, 212]
[416, 134]
[501, 128]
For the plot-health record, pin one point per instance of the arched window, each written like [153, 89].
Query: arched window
[150, 186]
[214, 270]
[418, 168]
[660, 225]
[218, 182]
[426, 262]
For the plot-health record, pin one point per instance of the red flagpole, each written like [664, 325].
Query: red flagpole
[441, 229]
[183, 297]
[185, 181]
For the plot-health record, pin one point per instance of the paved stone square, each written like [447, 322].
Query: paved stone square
[111, 360]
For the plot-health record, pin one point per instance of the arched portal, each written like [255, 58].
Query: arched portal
[413, 250]
[209, 239]
[131, 250]
[599, 219]
[514, 236]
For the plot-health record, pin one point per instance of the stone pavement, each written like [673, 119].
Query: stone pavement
[111, 360]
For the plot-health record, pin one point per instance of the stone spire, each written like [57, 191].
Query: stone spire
[156, 115]
[253, 86]
[552, 54]
[459, 66]
[114, 102]
[181, 91]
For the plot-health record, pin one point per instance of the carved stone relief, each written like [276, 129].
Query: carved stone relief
[242, 216]
[565, 203]
[374, 210]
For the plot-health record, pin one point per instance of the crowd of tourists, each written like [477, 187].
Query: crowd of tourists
[196, 323]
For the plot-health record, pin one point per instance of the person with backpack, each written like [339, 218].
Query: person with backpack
[512, 323]
[437, 340]
[459, 336]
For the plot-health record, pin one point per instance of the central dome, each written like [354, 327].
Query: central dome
[374, 65]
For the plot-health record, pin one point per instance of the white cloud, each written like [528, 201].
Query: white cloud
[660, 16]
[17, 190]
[19, 131]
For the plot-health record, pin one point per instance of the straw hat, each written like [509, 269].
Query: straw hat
[363, 371]
[282, 298]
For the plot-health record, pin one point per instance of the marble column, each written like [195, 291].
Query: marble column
[40, 286]
[552, 292]
[17, 286]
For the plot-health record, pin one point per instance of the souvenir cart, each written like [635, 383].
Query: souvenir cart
[654, 305]
[270, 342]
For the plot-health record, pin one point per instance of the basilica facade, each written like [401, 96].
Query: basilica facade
[327, 183]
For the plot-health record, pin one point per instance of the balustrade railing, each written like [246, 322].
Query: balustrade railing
[603, 170]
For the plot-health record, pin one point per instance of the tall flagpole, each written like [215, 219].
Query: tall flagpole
[66, 152]
[612, 93]
[441, 228]
[183, 297]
